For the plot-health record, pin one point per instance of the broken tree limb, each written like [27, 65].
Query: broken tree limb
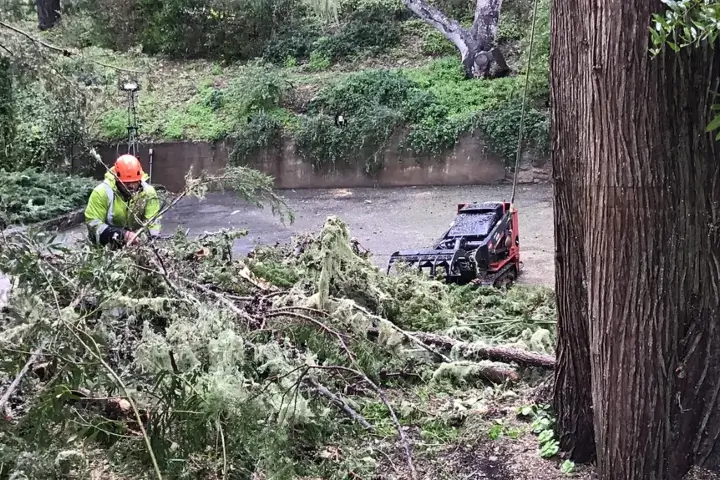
[492, 373]
[407, 335]
[339, 403]
[15, 383]
[240, 313]
[497, 373]
[64, 51]
[319, 324]
[495, 353]
[401, 433]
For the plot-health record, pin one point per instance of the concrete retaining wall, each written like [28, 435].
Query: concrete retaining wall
[470, 162]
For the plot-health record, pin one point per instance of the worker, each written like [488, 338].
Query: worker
[119, 206]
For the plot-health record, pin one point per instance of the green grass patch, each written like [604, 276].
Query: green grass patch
[444, 79]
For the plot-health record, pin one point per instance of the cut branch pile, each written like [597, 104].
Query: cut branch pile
[240, 364]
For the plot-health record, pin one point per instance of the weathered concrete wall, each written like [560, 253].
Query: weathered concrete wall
[171, 160]
[470, 162]
[533, 169]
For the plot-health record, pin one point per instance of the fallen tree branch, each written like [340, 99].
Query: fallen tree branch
[38, 351]
[65, 51]
[401, 433]
[407, 335]
[120, 383]
[338, 401]
[317, 323]
[15, 383]
[498, 373]
[495, 353]
[244, 315]
[490, 373]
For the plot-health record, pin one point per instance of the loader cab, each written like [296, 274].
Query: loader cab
[475, 221]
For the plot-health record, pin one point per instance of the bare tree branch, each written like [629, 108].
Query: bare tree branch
[64, 51]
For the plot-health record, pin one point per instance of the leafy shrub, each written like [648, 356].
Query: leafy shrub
[29, 196]
[260, 87]
[7, 111]
[539, 86]
[220, 29]
[461, 10]
[50, 125]
[500, 126]
[515, 21]
[436, 103]
[434, 43]
[115, 24]
[364, 139]
[293, 42]
[262, 131]
[434, 135]
[211, 114]
[357, 91]
[367, 26]
[374, 103]
[359, 36]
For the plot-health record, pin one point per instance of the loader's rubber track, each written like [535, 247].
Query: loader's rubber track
[505, 277]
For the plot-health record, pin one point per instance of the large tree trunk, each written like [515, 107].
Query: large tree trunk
[48, 12]
[479, 55]
[652, 245]
[568, 82]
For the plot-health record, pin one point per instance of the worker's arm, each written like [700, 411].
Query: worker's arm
[152, 208]
[95, 214]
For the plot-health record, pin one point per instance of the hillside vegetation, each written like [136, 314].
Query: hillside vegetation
[255, 72]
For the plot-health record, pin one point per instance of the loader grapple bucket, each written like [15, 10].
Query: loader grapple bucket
[423, 259]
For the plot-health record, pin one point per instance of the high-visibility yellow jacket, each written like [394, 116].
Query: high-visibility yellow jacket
[109, 214]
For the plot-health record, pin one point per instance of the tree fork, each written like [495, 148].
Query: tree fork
[476, 44]
[652, 185]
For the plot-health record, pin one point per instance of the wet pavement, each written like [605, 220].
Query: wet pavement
[383, 220]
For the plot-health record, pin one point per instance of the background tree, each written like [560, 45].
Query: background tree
[48, 12]
[651, 238]
[476, 44]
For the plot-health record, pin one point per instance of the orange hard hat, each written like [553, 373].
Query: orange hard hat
[128, 169]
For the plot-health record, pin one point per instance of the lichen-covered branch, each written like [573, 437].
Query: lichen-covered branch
[471, 351]
[214, 352]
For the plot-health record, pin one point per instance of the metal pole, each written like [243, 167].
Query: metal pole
[151, 163]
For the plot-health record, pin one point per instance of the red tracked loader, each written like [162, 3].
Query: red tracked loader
[482, 246]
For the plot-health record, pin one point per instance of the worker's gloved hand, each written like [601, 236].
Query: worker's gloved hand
[113, 236]
[131, 238]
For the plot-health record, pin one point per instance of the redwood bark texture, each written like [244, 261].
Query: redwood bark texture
[651, 189]
[568, 89]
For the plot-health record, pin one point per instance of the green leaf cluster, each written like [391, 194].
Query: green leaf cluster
[683, 24]
[29, 195]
